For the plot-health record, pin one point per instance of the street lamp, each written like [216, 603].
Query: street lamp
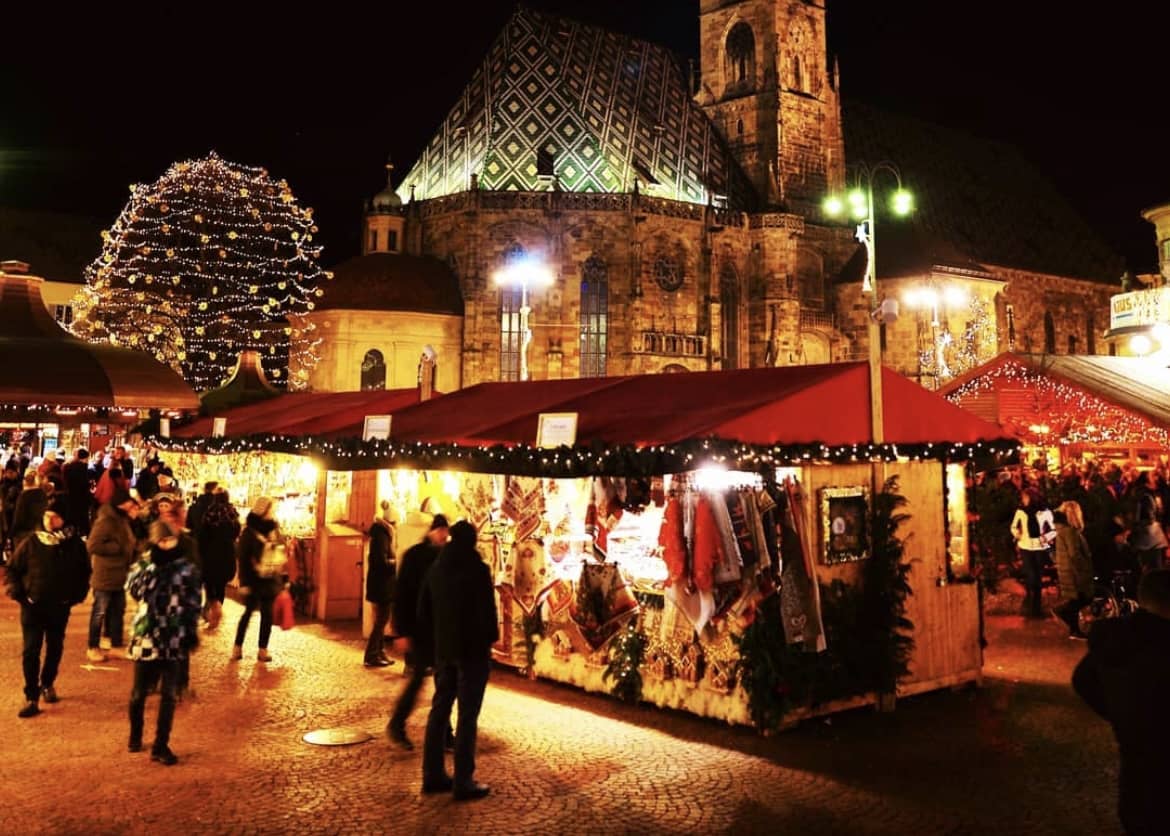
[524, 273]
[860, 206]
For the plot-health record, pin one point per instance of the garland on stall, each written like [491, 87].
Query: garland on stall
[867, 631]
[625, 663]
[597, 459]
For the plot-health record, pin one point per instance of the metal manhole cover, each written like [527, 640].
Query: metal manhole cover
[336, 737]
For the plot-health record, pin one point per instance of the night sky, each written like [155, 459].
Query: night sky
[320, 99]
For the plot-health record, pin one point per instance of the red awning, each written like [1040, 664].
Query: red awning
[793, 405]
[306, 413]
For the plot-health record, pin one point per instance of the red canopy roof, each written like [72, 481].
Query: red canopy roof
[792, 405]
[306, 413]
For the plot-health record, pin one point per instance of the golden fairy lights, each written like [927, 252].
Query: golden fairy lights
[1070, 414]
[213, 259]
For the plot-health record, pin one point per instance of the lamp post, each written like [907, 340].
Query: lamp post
[860, 205]
[524, 273]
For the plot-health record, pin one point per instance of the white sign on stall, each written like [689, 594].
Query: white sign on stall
[164, 427]
[218, 427]
[376, 426]
[556, 429]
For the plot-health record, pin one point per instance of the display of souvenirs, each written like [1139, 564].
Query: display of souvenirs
[530, 575]
[800, 598]
[602, 604]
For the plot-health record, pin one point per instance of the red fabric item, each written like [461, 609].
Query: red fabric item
[708, 546]
[674, 546]
[282, 611]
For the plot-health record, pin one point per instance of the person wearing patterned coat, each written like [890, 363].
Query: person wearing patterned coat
[163, 633]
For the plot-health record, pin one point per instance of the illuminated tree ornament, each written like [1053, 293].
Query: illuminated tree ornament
[215, 258]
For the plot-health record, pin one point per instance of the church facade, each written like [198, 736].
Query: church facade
[679, 215]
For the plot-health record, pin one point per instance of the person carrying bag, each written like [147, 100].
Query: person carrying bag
[261, 556]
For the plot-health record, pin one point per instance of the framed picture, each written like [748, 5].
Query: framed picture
[845, 523]
[556, 429]
[376, 426]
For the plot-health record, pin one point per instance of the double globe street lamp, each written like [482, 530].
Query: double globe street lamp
[858, 202]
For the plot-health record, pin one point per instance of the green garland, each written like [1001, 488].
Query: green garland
[625, 663]
[866, 630]
[596, 459]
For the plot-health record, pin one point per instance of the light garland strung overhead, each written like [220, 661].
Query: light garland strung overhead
[1060, 413]
[213, 259]
[594, 460]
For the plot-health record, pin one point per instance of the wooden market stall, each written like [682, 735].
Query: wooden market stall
[1066, 408]
[595, 573]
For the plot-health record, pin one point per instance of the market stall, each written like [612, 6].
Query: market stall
[1070, 408]
[700, 530]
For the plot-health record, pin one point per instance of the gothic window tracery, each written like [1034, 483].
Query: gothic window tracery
[511, 334]
[594, 316]
[668, 272]
[740, 58]
[729, 314]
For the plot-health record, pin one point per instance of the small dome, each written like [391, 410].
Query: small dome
[387, 198]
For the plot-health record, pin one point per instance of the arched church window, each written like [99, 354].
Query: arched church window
[729, 313]
[1049, 333]
[740, 50]
[594, 316]
[511, 334]
[373, 370]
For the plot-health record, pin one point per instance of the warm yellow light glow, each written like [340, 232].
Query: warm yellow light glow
[527, 273]
[307, 472]
[858, 204]
[954, 295]
[834, 206]
[1140, 344]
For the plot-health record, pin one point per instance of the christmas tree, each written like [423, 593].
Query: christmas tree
[213, 259]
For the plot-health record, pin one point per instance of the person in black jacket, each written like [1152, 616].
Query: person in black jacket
[380, 585]
[1125, 677]
[78, 495]
[258, 585]
[48, 575]
[412, 571]
[9, 494]
[457, 607]
[217, 532]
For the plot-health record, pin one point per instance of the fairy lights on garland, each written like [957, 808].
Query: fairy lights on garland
[594, 460]
[1063, 414]
[213, 259]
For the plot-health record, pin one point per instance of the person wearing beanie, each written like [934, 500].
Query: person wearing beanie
[412, 570]
[113, 547]
[457, 610]
[216, 534]
[30, 508]
[199, 507]
[260, 579]
[164, 632]
[48, 575]
[380, 583]
[10, 489]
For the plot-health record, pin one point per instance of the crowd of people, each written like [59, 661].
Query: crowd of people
[80, 529]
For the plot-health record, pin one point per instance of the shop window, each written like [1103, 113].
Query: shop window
[1049, 333]
[373, 370]
[1090, 338]
[594, 316]
[729, 309]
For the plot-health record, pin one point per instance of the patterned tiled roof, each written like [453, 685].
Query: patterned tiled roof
[602, 109]
[977, 199]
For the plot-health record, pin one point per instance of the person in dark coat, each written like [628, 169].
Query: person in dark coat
[9, 495]
[259, 589]
[1147, 538]
[78, 495]
[457, 607]
[200, 505]
[48, 575]
[113, 547]
[219, 528]
[380, 584]
[412, 571]
[1125, 677]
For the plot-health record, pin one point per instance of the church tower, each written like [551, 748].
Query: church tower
[383, 225]
[765, 83]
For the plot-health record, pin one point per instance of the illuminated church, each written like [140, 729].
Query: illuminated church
[670, 219]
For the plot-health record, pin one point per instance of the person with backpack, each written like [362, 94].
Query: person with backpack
[163, 633]
[261, 578]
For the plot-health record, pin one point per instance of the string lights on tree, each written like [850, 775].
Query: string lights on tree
[211, 260]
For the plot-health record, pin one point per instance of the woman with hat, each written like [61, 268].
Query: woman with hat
[261, 577]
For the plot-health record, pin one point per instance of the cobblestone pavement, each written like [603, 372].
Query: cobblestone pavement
[1019, 756]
